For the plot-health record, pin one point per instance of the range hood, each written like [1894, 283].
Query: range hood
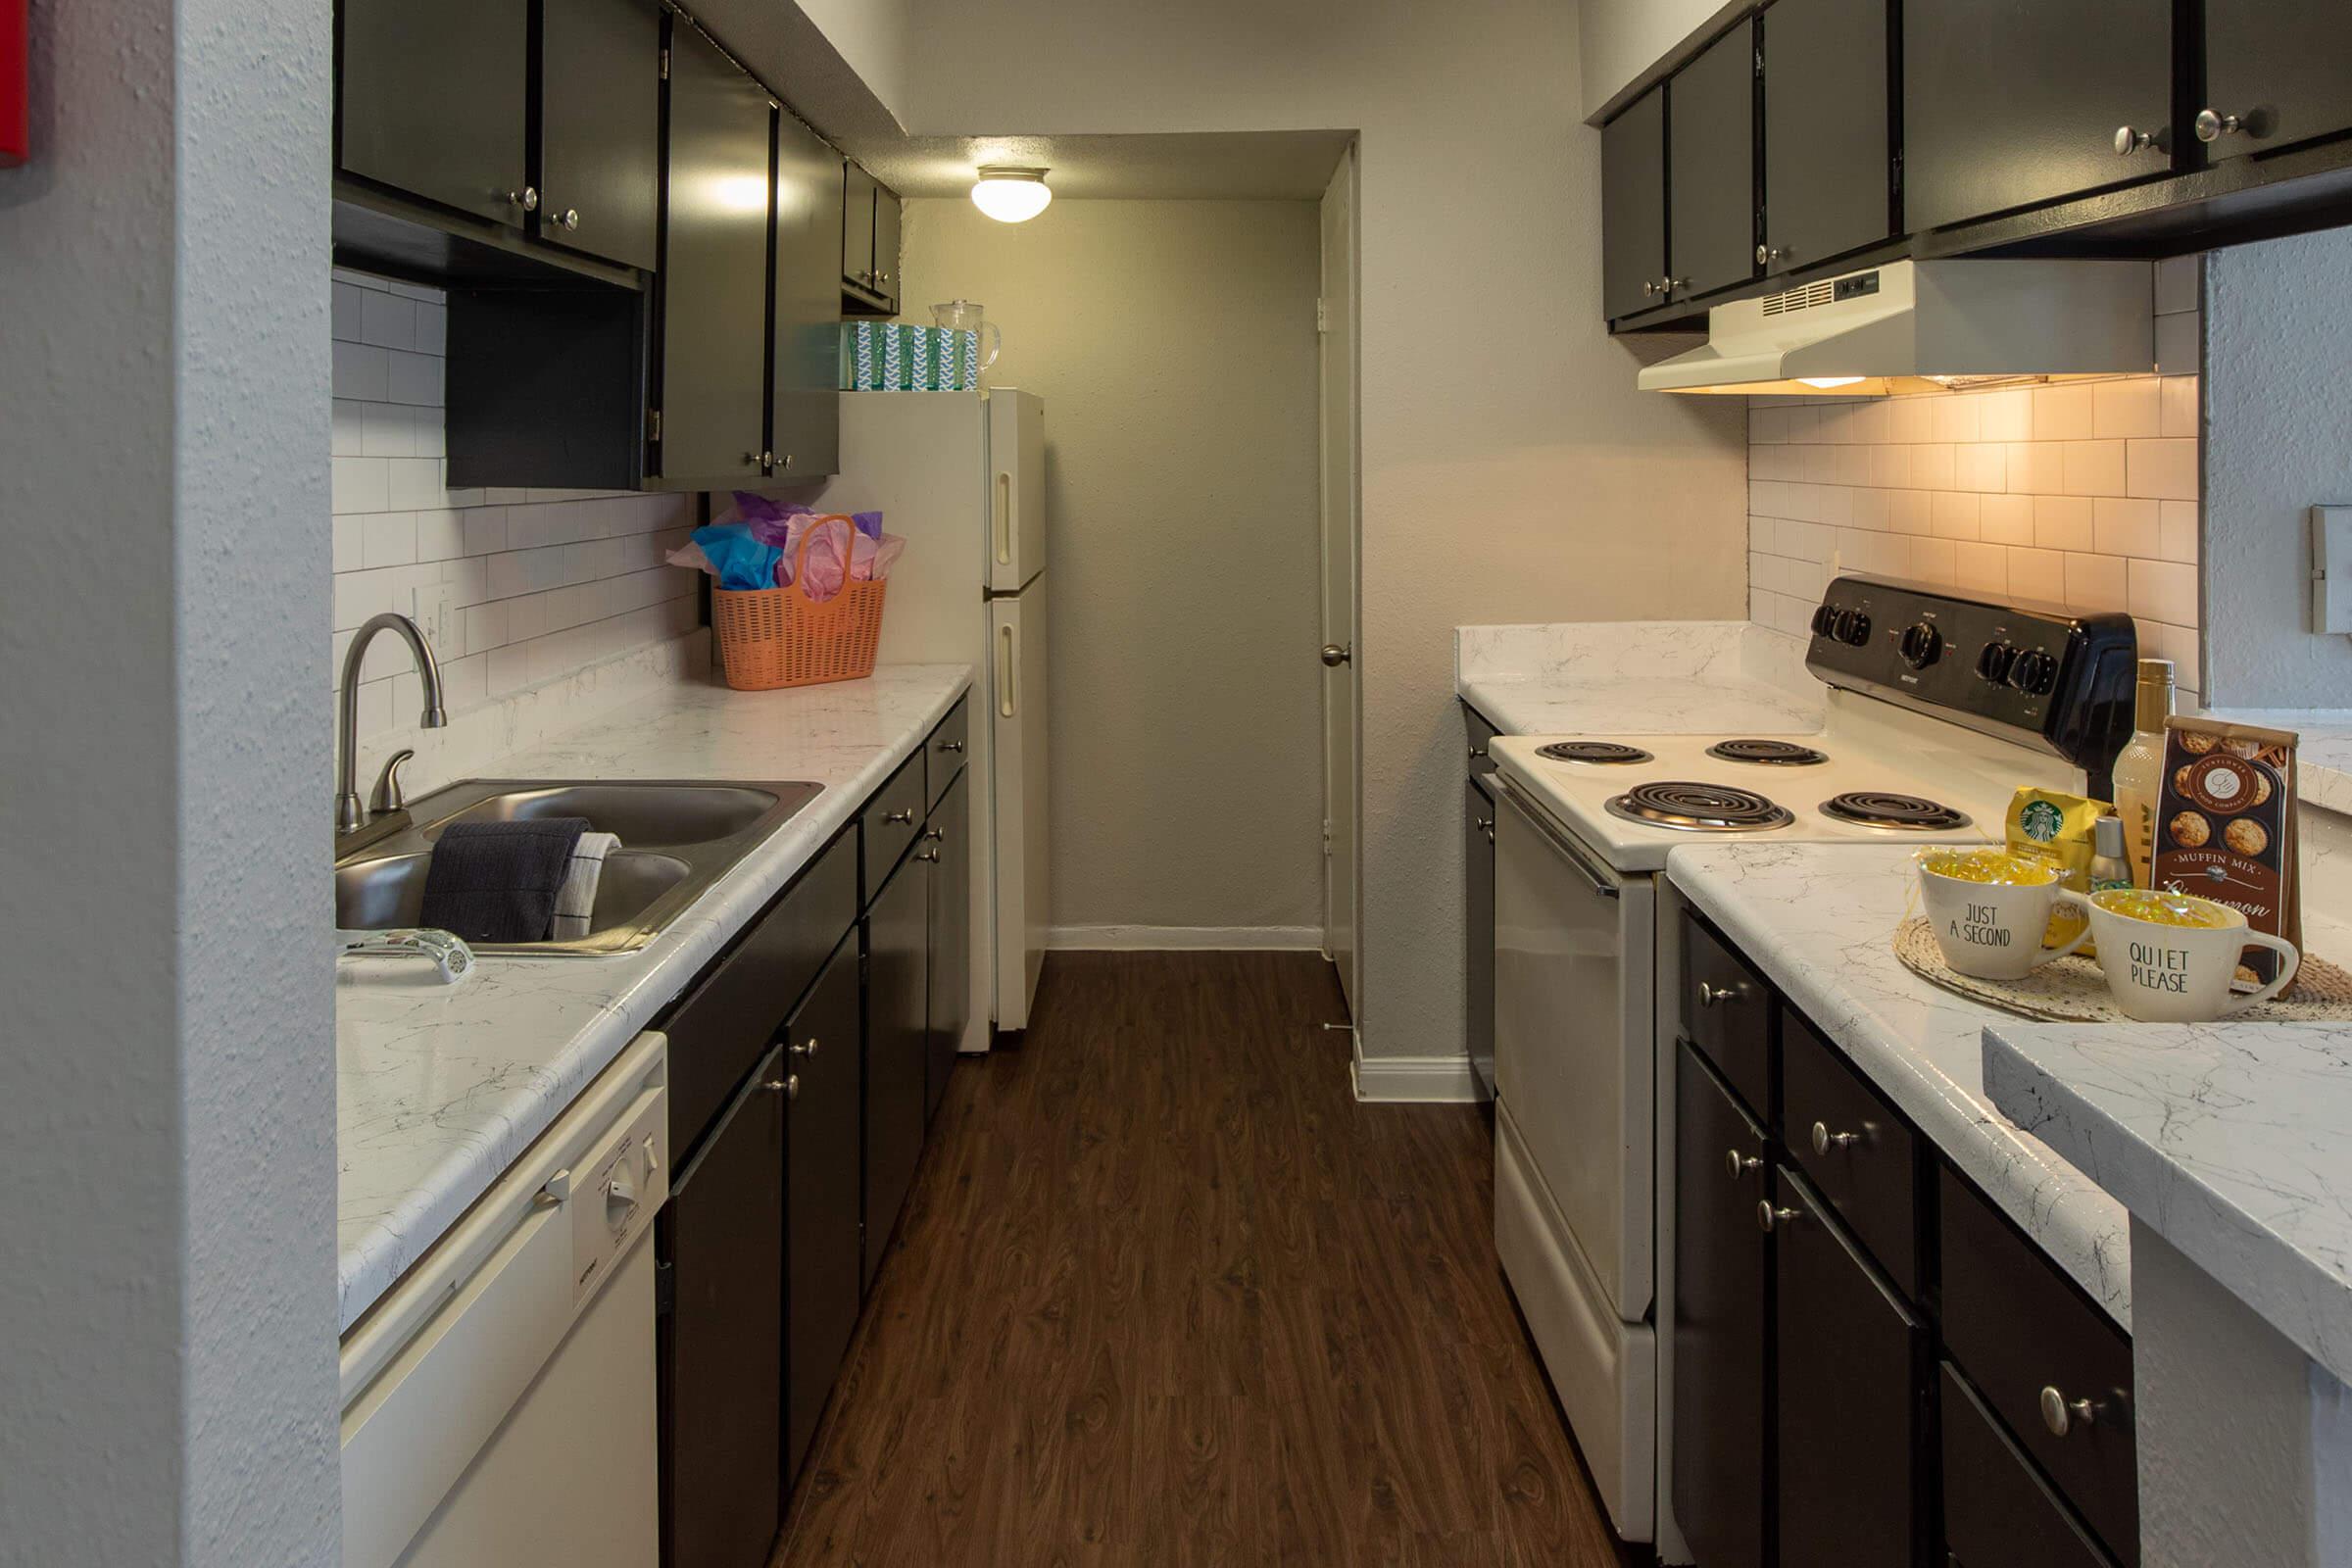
[1918, 326]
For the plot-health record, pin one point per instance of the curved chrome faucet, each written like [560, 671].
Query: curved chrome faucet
[349, 815]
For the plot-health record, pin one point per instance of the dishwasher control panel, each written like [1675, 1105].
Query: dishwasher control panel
[615, 1190]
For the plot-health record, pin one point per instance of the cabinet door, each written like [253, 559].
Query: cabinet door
[600, 128]
[820, 1197]
[1997, 1509]
[886, 244]
[950, 962]
[1720, 1430]
[2277, 65]
[1711, 175]
[2013, 103]
[857, 190]
[1847, 1394]
[721, 1236]
[897, 1054]
[1633, 206]
[714, 270]
[1478, 930]
[432, 100]
[1825, 146]
[806, 433]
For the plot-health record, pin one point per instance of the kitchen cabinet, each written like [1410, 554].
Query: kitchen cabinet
[719, 1243]
[1711, 166]
[891, 820]
[1633, 206]
[885, 245]
[1847, 1356]
[713, 300]
[804, 429]
[896, 1051]
[600, 128]
[2014, 103]
[869, 242]
[432, 98]
[948, 963]
[1828, 145]
[821, 1199]
[1996, 1509]
[2274, 73]
[1720, 1432]
[1478, 929]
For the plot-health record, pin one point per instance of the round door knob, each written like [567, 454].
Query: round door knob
[1771, 1218]
[1739, 1164]
[2062, 1414]
[2129, 140]
[2213, 126]
[567, 218]
[1337, 653]
[1825, 1140]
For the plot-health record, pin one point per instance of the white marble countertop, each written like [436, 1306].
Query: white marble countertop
[1638, 677]
[1819, 921]
[439, 1089]
[2234, 1142]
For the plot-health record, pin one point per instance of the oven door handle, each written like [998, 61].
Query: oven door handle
[1598, 880]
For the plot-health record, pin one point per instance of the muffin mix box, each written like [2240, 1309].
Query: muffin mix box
[2225, 827]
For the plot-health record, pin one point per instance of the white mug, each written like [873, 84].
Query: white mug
[2163, 973]
[1992, 930]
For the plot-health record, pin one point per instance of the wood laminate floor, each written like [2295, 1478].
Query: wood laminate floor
[1165, 1292]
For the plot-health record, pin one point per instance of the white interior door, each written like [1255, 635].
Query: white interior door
[1337, 318]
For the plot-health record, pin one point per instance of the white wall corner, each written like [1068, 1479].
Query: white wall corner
[1413, 1080]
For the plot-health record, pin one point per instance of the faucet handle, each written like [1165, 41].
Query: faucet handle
[389, 796]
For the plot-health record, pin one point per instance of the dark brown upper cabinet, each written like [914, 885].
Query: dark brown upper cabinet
[600, 128]
[869, 242]
[432, 99]
[805, 434]
[1711, 166]
[1633, 206]
[2014, 103]
[1827, 147]
[2276, 74]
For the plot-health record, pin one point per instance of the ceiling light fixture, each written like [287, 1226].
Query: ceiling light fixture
[1012, 195]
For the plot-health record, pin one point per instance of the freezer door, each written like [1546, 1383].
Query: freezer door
[1017, 636]
[1016, 489]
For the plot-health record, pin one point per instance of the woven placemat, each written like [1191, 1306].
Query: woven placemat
[2072, 989]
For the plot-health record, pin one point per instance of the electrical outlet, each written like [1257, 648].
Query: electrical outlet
[2332, 568]
[435, 612]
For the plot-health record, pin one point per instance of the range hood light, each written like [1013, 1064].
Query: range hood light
[1823, 383]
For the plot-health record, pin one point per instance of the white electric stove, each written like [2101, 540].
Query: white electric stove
[1939, 709]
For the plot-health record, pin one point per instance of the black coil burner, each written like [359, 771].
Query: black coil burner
[1880, 809]
[1783, 754]
[1688, 807]
[1610, 752]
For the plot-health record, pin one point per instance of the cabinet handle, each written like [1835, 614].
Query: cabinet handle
[1739, 1164]
[1825, 1140]
[1477, 753]
[527, 198]
[950, 746]
[2062, 1414]
[929, 856]
[757, 460]
[809, 1049]
[1771, 1218]
[1709, 996]
[1766, 255]
[934, 835]
[2213, 126]
[901, 818]
[1668, 285]
[2130, 140]
[1649, 285]
[567, 218]
[1481, 824]
[1008, 700]
[1004, 519]
[789, 1087]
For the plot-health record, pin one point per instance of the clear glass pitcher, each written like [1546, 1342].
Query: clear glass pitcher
[968, 316]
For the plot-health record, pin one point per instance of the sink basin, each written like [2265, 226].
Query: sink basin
[677, 837]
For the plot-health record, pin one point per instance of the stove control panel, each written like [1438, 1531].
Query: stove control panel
[2026, 673]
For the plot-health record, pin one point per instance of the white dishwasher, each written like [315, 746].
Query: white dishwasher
[499, 1404]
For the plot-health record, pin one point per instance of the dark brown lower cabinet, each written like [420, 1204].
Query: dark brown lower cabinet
[1720, 1439]
[1998, 1512]
[1848, 1396]
[896, 1050]
[719, 1241]
[821, 1199]
[949, 964]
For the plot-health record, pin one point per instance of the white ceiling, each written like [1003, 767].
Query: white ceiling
[1269, 164]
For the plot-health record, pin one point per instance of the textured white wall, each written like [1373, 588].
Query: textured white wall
[168, 1364]
[1174, 343]
[2277, 441]
[1624, 38]
[1510, 471]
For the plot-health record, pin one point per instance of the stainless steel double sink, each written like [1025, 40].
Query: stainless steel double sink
[677, 837]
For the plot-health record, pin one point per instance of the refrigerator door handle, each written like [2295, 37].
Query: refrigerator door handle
[1004, 519]
[1007, 672]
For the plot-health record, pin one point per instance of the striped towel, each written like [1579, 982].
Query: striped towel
[575, 899]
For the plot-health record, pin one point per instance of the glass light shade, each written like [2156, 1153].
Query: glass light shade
[1012, 195]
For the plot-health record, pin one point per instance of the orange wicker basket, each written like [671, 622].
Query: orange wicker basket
[774, 637]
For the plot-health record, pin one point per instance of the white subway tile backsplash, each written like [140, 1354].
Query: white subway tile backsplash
[412, 378]
[2126, 408]
[2121, 527]
[2006, 519]
[2094, 583]
[2177, 406]
[2176, 529]
[2164, 590]
[2062, 413]
[2180, 344]
[1953, 515]
[2063, 523]
[2166, 469]
[2093, 468]
[363, 373]
[388, 538]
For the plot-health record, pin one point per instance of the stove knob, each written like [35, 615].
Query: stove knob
[1994, 662]
[1921, 645]
[1824, 621]
[2034, 673]
[1854, 628]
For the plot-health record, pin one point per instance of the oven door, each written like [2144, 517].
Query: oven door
[1574, 961]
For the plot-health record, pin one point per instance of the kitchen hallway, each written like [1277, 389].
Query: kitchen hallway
[1165, 1292]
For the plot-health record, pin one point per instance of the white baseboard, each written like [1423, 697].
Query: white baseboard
[1185, 939]
[1414, 1080]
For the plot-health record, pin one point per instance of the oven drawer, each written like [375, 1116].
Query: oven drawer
[1854, 1145]
[1727, 1012]
[2027, 1338]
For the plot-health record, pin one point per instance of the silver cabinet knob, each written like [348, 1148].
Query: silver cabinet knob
[1739, 1164]
[2062, 1414]
[1649, 285]
[527, 198]
[789, 1087]
[1825, 1140]
[1766, 255]
[1672, 284]
[1337, 653]
[1481, 824]
[809, 1049]
[1477, 752]
[785, 461]
[1771, 1218]
[567, 218]
[933, 835]
[2130, 140]
[757, 460]
[952, 745]
[903, 818]
[927, 857]
[1711, 996]
[2213, 126]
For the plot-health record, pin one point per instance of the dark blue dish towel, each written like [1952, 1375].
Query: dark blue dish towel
[497, 881]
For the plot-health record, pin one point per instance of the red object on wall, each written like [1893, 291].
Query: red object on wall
[16, 129]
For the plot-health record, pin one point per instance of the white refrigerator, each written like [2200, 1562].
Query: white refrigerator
[962, 475]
